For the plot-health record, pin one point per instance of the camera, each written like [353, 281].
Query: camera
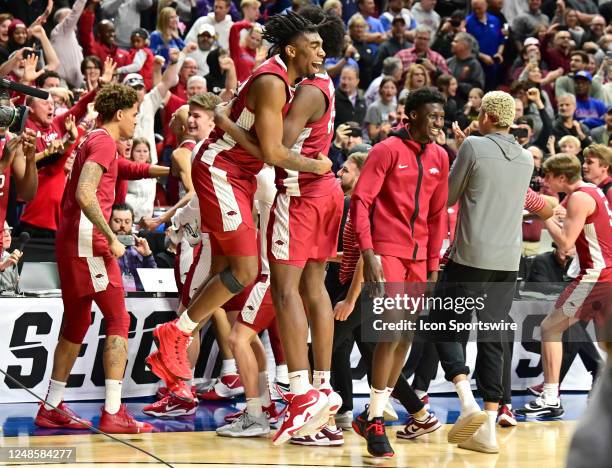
[13, 118]
[126, 240]
[519, 132]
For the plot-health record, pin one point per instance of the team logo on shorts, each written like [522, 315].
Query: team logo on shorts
[279, 242]
[231, 213]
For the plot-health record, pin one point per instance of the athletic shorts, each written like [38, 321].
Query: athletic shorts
[226, 207]
[258, 310]
[304, 228]
[84, 276]
[198, 272]
[401, 270]
[588, 297]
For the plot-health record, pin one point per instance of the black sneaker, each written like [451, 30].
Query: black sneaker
[378, 443]
[539, 408]
[360, 423]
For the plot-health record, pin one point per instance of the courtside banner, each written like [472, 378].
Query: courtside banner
[29, 330]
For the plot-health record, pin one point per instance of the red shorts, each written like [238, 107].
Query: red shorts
[226, 207]
[588, 297]
[400, 270]
[258, 311]
[84, 276]
[198, 272]
[304, 228]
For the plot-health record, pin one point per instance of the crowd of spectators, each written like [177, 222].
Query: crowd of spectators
[553, 56]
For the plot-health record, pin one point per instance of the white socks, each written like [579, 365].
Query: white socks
[468, 403]
[298, 382]
[264, 390]
[55, 393]
[254, 407]
[112, 403]
[420, 393]
[228, 366]
[282, 374]
[551, 393]
[185, 324]
[321, 379]
[378, 401]
[486, 433]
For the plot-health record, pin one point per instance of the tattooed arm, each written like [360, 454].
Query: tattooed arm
[87, 200]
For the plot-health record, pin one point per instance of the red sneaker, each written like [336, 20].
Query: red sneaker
[271, 413]
[415, 428]
[163, 392]
[53, 419]
[171, 407]
[326, 437]
[225, 388]
[172, 344]
[505, 416]
[536, 390]
[300, 411]
[314, 426]
[122, 422]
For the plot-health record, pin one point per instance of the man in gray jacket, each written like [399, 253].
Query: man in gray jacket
[489, 179]
[125, 14]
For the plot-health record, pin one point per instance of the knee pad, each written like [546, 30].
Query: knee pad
[230, 282]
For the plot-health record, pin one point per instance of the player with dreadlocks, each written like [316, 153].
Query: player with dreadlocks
[223, 175]
[302, 235]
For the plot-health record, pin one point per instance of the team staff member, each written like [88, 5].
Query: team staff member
[404, 227]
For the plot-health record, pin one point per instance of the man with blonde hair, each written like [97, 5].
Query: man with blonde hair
[489, 179]
[597, 168]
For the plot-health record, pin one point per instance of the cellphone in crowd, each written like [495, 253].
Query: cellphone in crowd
[126, 240]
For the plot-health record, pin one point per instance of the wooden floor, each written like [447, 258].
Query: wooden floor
[530, 444]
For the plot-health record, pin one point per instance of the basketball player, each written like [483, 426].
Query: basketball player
[588, 225]
[224, 179]
[303, 232]
[398, 209]
[87, 252]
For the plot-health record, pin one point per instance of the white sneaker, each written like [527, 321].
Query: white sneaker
[344, 420]
[326, 437]
[246, 426]
[389, 413]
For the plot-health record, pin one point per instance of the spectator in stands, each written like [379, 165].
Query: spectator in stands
[393, 45]
[349, 136]
[188, 69]
[579, 61]
[525, 122]
[5, 23]
[65, 43]
[141, 192]
[487, 30]
[472, 106]
[140, 58]
[548, 271]
[30, 11]
[417, 77]
[421, 54]
[596, 29]
[523, 25]
[447, 32]
[350, 106]
[565, 123]
[334, 7]
[392, 68]
[220, 20]
[167, 35]
[557, 55]
[601, 134]
[206, 42]
[125, 15]
[182, 7]
[589, 111]
[9, 275]
[424, 14]
[395, 9]
[464, 66]
[250, 10]
[104, 45]
[376, 32]
[91, 69]
[138, 255]
[447, 85]
[358, 28]
[244, 51]
[597, 168]
[381, 114]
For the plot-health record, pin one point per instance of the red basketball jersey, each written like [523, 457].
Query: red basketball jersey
[594, 243]
[221, 150]
[76, 235]
[315, 138]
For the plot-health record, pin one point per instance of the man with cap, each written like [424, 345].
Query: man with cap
[588, 110]
[393, 45]
[140, 58]
[206, 43]
[395, 9]
[579, 60]
[220, 19]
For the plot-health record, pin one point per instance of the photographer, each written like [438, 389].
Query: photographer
[137, 254]
[348, 136]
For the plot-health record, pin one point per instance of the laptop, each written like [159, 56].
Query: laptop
[39, 279]
[157, 279]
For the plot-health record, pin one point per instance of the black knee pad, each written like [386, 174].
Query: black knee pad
[230, 282]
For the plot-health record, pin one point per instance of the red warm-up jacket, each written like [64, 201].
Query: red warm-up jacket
[398, 206]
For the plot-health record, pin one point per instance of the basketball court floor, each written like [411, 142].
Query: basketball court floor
[191, 441]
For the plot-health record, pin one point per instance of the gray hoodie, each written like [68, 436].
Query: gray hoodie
[489, 179]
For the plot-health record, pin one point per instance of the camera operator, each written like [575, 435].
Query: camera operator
[137, 254]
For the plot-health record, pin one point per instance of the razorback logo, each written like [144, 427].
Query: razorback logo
[231, 213]
[99, 275]
[279, 242]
